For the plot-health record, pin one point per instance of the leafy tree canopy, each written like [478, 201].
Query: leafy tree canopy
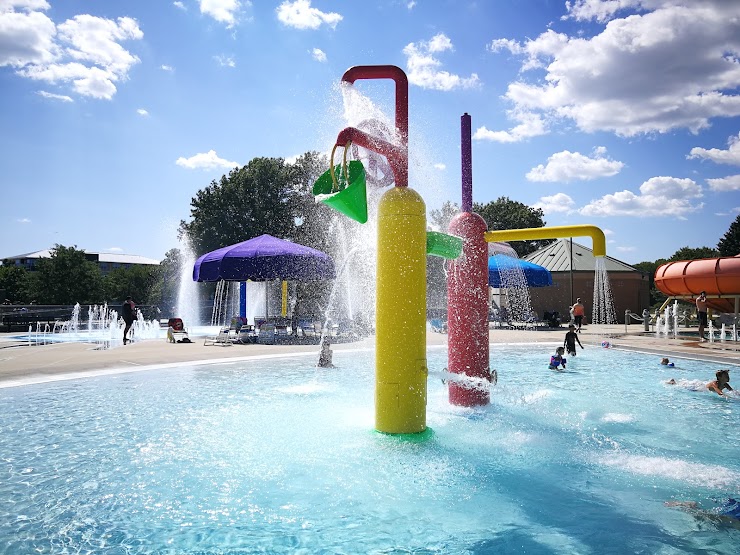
[13, 282]
[729, 245]
[67, 277]
[440, 219]
[690, 253]
[504, 213]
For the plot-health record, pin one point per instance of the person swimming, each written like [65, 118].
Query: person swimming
[722, 382]
[557, 360]
[666, 362]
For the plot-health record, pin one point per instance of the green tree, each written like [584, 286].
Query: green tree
[504, 213]
[137, 281]
[729, 245]
[439, 220]
[690, 253]
[13, 280]
[166, 284]
[67, 277]
[250, 201]
[657, 297]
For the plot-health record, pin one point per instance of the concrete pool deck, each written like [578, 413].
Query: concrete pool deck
[21, 364]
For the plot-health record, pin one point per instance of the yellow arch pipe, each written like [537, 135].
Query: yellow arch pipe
[554, 232]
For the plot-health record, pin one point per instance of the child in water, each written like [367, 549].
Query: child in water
[326, 354]
[722, 382]
[666, 362]
[557, 360]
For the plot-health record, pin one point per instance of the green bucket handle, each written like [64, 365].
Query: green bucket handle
[348, 194]
[444, 245]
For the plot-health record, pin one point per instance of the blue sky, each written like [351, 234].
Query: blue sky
[624, 114]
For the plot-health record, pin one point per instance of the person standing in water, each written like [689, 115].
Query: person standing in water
[127, 313]
[570, 340]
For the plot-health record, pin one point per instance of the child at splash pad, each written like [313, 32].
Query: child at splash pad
[570, 340]
[326, 354]
[557, 360]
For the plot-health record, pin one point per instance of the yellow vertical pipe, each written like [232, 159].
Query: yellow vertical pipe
[284, 309]
[400, 365]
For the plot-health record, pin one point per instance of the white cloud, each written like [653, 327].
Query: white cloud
[23, 221]
[26, 38]
[724, 184]
[205, 160]
[659, 197]
[225, 61]
[410, 5]
[84, 51]
[600, 10]
[440, 166]
[30, 5]
[179, 5]
[670, 68]
[318, 55]
[52, 96]
[142, 112]
[729, 156]
[626, 249]
[301, 15]
[114, 249]
[423, 68]
[164, 67]
[559, 202]
[223, 11]
[568, 166]
[531, 125]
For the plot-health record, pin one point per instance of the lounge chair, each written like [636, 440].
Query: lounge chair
[223, 338]
[176, 331]
[266, 334]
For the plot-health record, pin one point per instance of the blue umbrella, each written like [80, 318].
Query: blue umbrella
[535, 275]
[264, 258]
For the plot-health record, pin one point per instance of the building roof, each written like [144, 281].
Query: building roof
[556, 258]
[101, 256]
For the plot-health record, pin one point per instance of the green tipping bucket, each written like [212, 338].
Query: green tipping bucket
[444, 245]
[349, 196]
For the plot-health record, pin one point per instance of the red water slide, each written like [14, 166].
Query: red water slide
[719, 277]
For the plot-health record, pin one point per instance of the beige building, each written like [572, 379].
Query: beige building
[573, 268]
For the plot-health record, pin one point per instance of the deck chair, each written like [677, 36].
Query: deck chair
[223, 338]
[266, 334]
[176, 331]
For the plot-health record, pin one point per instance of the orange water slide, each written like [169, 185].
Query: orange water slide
[719, 277]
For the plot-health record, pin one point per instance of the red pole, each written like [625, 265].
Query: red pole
[401, 164]
[467, 297]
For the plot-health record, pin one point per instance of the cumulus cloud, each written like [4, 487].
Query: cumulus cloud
[83, 51]
[729, 156]
[440, 166]
[559, 202]
[206, 161]
[301, 15]
[142, 112]
[52, 96]
[423, 68]
[724, 184]
[223, 11]
[670, 66]
[659, 196]
[180, 5]
[164, 67]
[569, 166]
[318, 55]
[531, 125]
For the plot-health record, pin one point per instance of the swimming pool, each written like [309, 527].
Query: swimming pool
[277, 457]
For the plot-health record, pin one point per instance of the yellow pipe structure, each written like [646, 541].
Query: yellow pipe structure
[400, 316]
[554, 232]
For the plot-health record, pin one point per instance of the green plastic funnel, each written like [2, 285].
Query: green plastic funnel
[348, 194]
[444, 245]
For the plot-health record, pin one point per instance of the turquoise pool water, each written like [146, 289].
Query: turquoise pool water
[272, 456]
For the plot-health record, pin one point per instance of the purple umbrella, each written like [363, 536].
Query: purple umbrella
[264, 258]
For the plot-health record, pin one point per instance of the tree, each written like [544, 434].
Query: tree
[504, 213]
[439, 220]
[249, 202]
[166, 284]
[657, 297]
[136, 281]
[13, 280]
[729, 245]
[690, 253]
[67, 277]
